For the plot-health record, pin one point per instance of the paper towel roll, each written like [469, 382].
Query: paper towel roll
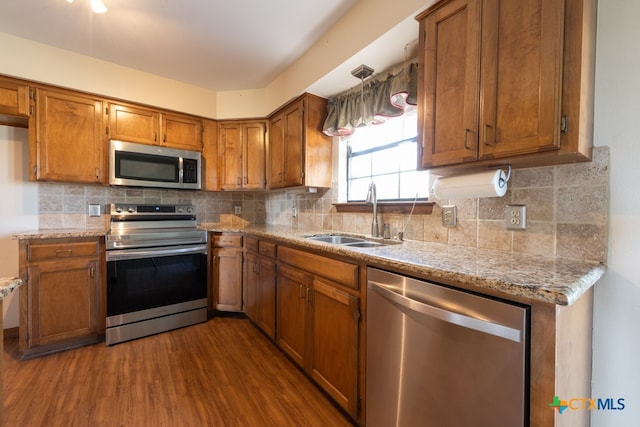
[492, 183]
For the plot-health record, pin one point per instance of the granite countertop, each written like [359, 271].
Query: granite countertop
[8, 285]
[55, 233]
[550, 280]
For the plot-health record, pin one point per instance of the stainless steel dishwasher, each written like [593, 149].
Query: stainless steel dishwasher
[437, 356]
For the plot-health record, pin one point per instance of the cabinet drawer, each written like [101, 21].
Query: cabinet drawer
[227, 240]
[267, 249]
[342, 272]
[251, 243]
[62, 250]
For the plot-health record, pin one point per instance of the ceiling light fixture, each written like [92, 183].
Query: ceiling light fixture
[96, 5]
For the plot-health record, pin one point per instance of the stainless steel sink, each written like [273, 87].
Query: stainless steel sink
[338, 240]
[354, 242]
[365, 244]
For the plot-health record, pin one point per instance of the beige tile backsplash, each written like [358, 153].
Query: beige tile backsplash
[567, 209]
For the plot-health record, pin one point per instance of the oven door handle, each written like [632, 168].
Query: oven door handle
[125, 254]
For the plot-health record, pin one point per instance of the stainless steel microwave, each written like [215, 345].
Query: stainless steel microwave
[140, 165]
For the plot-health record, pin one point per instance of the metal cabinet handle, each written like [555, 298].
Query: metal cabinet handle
[300, 291]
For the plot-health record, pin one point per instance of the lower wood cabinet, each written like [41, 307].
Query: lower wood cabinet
[318, 321]
[227, 272]
[61, 301]
[260, 281]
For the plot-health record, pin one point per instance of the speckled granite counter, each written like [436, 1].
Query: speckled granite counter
[54, 233]
[550, 280]
[8, 285]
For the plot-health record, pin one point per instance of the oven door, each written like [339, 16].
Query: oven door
[141, 280]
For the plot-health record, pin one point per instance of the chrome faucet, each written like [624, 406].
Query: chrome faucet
[372, 199]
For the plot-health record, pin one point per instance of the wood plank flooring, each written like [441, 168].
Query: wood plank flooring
[220, 373]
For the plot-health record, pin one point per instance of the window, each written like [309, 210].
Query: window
[388, 155]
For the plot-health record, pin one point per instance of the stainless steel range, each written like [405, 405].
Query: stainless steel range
[156, 270]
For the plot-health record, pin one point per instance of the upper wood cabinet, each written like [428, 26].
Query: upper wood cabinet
[66, 142]
[210, 180]
[146, 126]
[498, 82]
[14, 98]
[299, 153]
[241, 148]
[181, 131]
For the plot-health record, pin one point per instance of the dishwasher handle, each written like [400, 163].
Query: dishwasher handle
[446, 315]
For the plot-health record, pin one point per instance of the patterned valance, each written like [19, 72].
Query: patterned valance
[373, 103]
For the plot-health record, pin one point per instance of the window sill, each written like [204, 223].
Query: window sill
[386, 207]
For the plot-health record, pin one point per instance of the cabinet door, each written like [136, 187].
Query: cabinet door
[251, 281]
[254, 175]
[62, 300]
[228, 279]
[293, 289]
[181, 132]
[449, 84]
[134, 124]
[14, 98]
[69, 139]
[521, 76]
[293, 145]
[230, 146]
[210, 156]
[267, 296]
[276, 151]
[334, 365]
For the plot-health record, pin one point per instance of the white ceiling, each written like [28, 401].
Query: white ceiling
[215, 44]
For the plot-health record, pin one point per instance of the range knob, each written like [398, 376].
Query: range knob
[118, 209]
[190, 209]
[131, 209]
[180, 209]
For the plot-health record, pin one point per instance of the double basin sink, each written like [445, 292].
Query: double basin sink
[352, 242]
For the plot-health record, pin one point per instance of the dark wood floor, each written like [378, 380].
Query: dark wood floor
[220, 373]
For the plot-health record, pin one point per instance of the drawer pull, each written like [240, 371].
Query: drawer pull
[64, 252]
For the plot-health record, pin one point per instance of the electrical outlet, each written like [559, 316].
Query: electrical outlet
[94, 210]
[294, 212]
[237, 209]
[449, 216]
[515, 217]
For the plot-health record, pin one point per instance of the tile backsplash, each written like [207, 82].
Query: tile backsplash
[67, 206]
[567, 211]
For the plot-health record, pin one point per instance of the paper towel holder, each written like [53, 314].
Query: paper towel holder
[501, 178]
[507, 177]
